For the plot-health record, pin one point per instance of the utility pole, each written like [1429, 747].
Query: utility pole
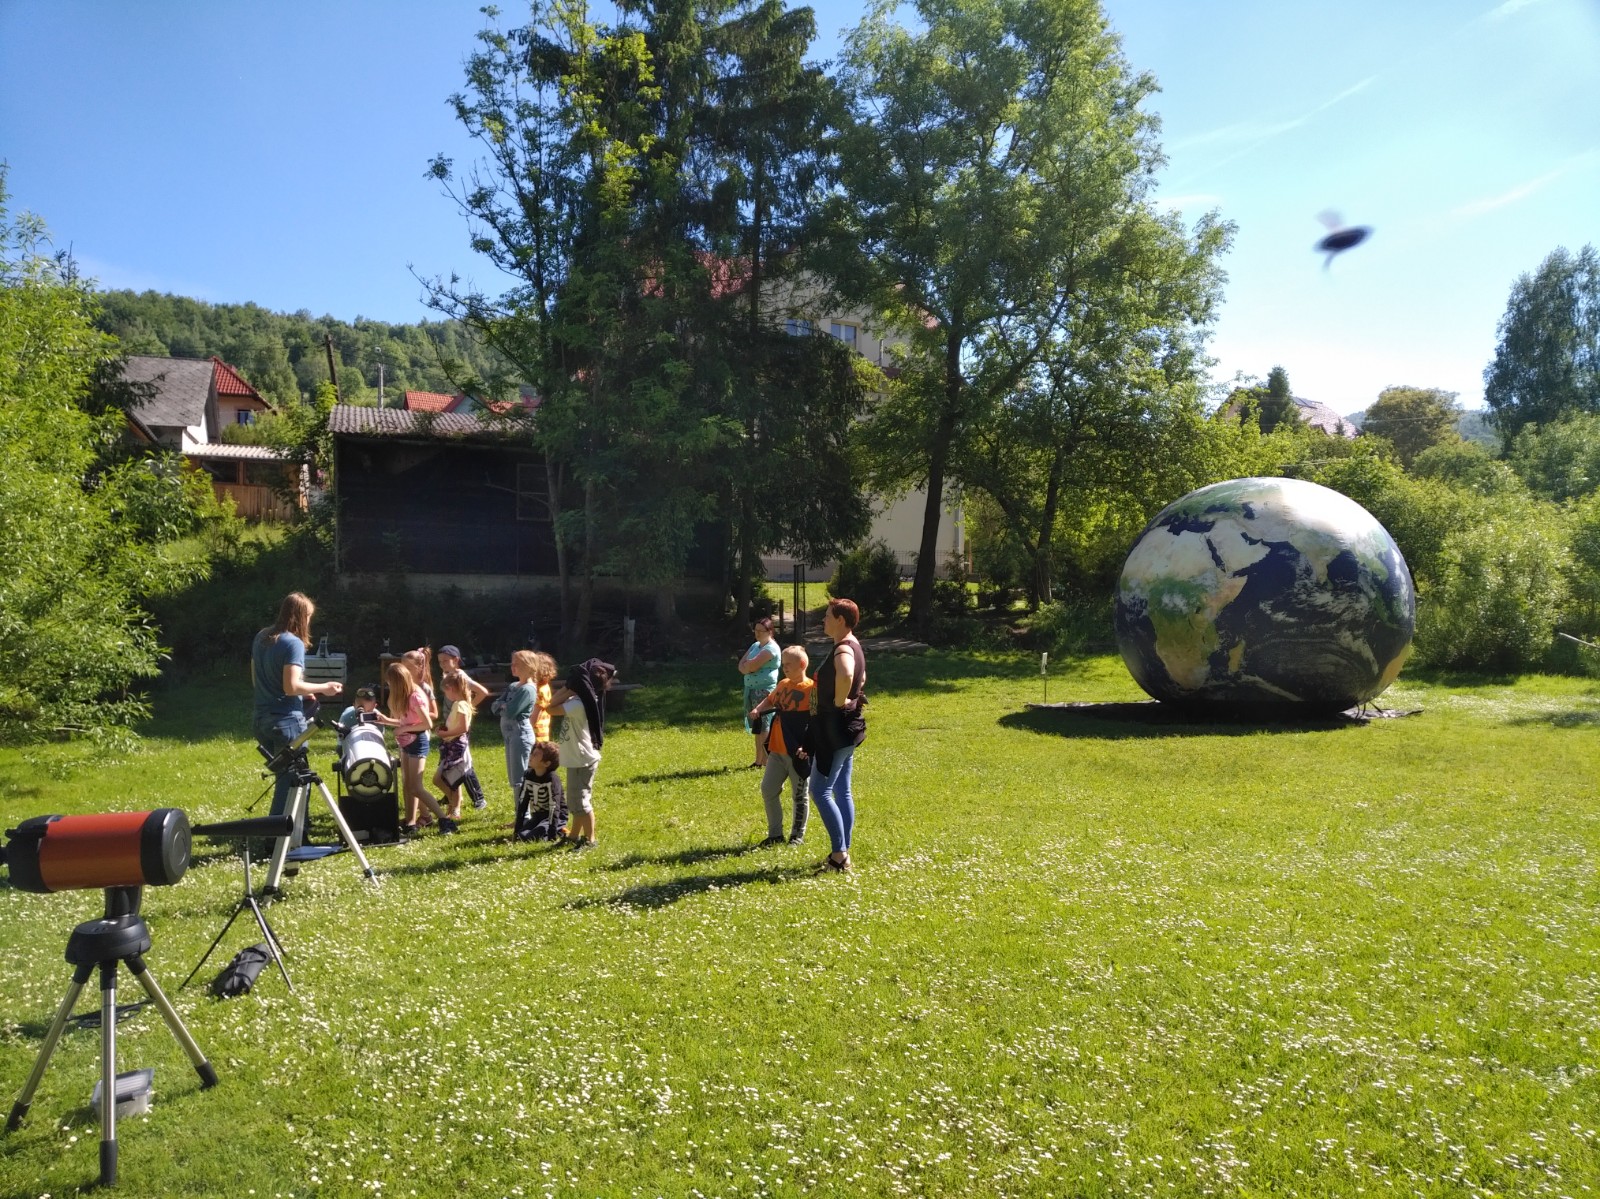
[333, 370]
[380, 380]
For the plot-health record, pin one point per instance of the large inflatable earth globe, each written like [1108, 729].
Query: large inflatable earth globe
[1265, 594]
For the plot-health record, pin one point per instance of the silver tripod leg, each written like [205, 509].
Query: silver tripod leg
[349, 837]
[298, 800]
[141, 974]
[19, 1110]
[108, 1073]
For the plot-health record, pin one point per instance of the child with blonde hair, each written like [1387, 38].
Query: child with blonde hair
[785, 745]
[544, 675]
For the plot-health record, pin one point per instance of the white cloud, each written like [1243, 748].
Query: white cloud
[1501, 11]
[1247, 135]
[1476, 208]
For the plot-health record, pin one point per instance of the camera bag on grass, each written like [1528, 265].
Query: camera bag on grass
[239, 975]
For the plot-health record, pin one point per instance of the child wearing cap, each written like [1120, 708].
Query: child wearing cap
[450, 659]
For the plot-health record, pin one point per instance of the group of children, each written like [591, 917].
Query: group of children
[525, 709]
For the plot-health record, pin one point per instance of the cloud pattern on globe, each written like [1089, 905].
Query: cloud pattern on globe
[1261, 593]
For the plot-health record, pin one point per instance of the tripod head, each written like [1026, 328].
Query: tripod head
[295, 752]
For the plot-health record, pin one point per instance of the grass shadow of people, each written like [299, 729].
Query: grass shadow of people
[684, 857]
[672, 776]
[670, 891]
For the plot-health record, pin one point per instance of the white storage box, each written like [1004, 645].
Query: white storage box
[134, 1090]
[323, 667]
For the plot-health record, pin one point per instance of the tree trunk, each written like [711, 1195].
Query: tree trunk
[580, 623]
[1044, 551]
[938, 456]
[552, 478]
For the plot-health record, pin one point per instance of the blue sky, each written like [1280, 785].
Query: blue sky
[276, 153]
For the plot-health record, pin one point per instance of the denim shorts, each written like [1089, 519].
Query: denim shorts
[418, 748]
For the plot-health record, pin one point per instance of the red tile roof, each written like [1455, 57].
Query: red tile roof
[229, 383]
[430, 401]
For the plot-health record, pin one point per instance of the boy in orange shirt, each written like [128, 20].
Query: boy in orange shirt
[786, 740]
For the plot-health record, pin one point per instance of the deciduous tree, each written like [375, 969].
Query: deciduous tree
[1547, 363]
[994, 186]
[1413, 419]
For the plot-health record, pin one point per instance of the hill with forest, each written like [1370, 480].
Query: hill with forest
[283, 354]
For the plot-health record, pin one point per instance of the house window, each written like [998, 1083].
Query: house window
[845, 333]
[796, 327]
[263, 474]
[243, 416]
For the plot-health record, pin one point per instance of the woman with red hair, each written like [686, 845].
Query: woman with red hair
[839, 728]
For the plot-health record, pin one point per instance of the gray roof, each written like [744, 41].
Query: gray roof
[351, 420]
[1319, 416]
[182, 387]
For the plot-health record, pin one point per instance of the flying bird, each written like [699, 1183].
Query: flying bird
[1340, 237]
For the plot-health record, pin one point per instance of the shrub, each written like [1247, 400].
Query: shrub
[870, 576]
[1071, 627]
[1495, 597]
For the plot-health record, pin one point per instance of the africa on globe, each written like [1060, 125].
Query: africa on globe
[1265, 594]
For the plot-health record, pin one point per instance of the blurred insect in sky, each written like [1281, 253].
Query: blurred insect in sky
[1340, 238]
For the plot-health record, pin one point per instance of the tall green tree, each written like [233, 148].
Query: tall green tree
[993, 188]
[1413, 419]
[1108, 416]
[83, 525]
[645, 185]
[1547, 363]
[1275, 402]
[792, 401]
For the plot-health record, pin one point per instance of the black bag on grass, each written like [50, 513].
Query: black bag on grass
[240, 974]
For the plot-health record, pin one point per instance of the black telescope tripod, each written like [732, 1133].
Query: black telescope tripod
[120, 937]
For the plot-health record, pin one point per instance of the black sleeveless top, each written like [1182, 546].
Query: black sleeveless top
[839, 727]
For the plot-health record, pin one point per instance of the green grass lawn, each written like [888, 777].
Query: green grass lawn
[1078, 957]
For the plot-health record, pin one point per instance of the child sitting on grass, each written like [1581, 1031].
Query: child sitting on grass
[455, 753]
[785, 746]
[541, 804]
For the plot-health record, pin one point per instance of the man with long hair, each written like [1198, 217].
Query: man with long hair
[277, 672]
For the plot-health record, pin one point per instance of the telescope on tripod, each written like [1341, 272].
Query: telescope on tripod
[121, 853]
[295, 761]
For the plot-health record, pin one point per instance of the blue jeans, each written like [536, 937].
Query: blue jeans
[830, 791]
[275, 733]
[519, 744]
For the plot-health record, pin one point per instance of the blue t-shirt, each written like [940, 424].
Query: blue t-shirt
[269, 655]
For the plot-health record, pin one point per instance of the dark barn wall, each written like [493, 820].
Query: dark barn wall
[442, 508]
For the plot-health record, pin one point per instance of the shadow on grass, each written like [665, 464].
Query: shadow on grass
[662, 894]
[683, 857]
[459, 861]
[1577, 718]
[1119, 721]
[669, 776]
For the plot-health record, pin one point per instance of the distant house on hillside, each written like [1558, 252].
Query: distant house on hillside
[189, 402]
[460, 403]
[1320, 416]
